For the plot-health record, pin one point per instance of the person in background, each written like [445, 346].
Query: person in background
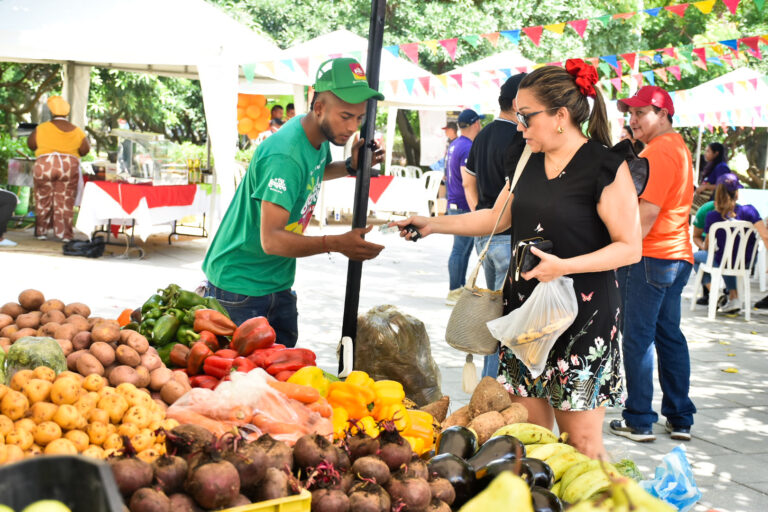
[58, 146]
[8, 201]
[652, 288]
[451, 130]
[716, 166]
[275, 125]
[251, 262]
[290, 112]
[726, 195]
[495, 151]
[626, 133]
[700, 256]
[276, 113]
[455, 161]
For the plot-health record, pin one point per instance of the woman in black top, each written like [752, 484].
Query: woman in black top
[579, 195]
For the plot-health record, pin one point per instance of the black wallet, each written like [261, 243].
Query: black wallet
[525, 260]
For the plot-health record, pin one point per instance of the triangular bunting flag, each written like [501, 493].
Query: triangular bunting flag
[753, 83]
[759, 111]
[751, 42]
[728, 59]
[393, 84]
[759, 4]
[661, 73]
[678, 9]
[493, 37]
[715, 60]
[579, 26]
[743, 84]
[557, 28]
[522, 69]
[686, 66]
[472, 39]
[627, 79]
[534, 33]
[558, 64]
[270, 64]
[458, 77]
[675, 70]
[701, 53]
[409, 83]
[721, 88]
[604, 19]
[497, 82]
[703, 117]
[604, 68]
[425, 83]
[303, 63]
[450, 46]
[249, 70]
[432, 45]
[593, 60]
[411, 50]
[652, 12]
[719, 116]
[733, 44]
[669, 52]
[639, 78]
[731, 5]
[700, 63]
[649, 76]
[289, 64]
[443, 80]
[507, 72]
[394, 50]
[657, 58]
[623, 15]
[706, 6]
[512, 35]
[729, 86]
[611, 60]
[616, 82]
[629, 58]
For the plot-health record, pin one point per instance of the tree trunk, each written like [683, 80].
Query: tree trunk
[411, 143]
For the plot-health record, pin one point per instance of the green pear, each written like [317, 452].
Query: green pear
[46, 506]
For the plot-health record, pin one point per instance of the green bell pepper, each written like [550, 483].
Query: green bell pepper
[165, 329]
[145, 329]
[187, 299]
[212, 303]
[153, 302]
[165, 353]
[187, 335]
[178, 313]
[154, 313]
[189, 316]
[133, 326]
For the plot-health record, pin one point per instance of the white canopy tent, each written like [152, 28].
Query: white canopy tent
[189, 38]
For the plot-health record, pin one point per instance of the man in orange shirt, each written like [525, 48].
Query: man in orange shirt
[652, 288]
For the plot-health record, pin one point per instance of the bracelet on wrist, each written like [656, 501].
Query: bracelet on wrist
[350, 170]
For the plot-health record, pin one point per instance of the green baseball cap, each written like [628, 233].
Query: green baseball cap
[346, 79]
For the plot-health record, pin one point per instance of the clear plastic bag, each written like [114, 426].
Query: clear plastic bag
[531, 330]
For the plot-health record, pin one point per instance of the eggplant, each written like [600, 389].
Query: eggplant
[499, 447]
[545, 500]
[543, 476]
[460, 441]
[487, 473]
[456, 471]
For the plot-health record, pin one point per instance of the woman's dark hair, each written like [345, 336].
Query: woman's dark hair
[554, 87]
[721, 157]
[629, 131]
[725, 201]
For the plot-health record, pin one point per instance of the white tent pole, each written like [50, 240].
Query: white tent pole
[299, 99]
[698, 154]
[76, 81]
[766, 159]
[390, 140]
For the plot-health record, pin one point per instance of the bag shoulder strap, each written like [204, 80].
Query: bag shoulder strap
[518, 171]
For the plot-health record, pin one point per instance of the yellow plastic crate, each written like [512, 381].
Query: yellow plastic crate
[300, 503]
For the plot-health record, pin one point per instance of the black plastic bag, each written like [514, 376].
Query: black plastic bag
[88, 248]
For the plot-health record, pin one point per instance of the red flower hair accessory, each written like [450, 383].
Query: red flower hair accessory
[584, 74]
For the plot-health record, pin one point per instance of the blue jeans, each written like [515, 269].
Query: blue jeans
[495, 266]
[651, 293]
[700, 257]
[278, 308]
[459, 258]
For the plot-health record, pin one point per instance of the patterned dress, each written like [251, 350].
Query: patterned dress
[583, 370]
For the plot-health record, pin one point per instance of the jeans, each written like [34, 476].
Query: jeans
[495, 266]
[700, 257]
[651, 294]
[459, 258]
[279, 309]
[7, 206]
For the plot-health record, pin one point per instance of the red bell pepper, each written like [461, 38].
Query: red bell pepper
[290, 359]
[218, 367]
[197, 356]
[204, 381]
[179, 354]
[253, 334]
[284, 375]
[209, 339]
[242, 364]
[213, 321]
[259, 356]
[226, 353]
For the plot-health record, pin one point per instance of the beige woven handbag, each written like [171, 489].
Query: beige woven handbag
[466, 329]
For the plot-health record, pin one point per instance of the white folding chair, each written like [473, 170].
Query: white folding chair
[738, 264]
[761, 269]
[413, 171]
[431, 183]
[395, 170]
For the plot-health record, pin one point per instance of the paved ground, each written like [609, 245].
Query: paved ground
[730, 444]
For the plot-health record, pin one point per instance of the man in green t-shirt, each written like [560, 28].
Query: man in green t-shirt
[700, 256]
[251, 264]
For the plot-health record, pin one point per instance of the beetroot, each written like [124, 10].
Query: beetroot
[413, 493]
[311, 450]
[361, 444]
[394, 450]
[371, 468]
[149, 500]
[442, 490]
[279, 454]
[213, 485]
[170, 472]
[368, 497]
[343, 461]
[187, 439]
[275, 484]
[131, 474]
[240, 501]
[329, 500]
[438, 506]
[416, 468]
[347, 481]
[250, 461]
[183, 503]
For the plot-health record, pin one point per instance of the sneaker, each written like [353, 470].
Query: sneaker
[41, 237]
[762, 303]
[722, 300]
[620, 428]
[731, 306]
[7, 243]
[65, 240]
[678, 433]
[453, 296]
[703, 301]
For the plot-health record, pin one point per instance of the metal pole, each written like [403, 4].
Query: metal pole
[698, 155]
[363, 181]
[766, 156]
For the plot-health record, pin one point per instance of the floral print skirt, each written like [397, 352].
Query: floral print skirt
[584, 368]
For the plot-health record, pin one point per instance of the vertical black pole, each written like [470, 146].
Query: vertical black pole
[363, 181]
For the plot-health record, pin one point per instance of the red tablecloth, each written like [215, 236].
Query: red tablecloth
[377, 187]
[129, 195]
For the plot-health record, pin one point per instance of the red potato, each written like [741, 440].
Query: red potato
[78, 321]
[143, 377]
[52, 305]
[151, 361]
[72, 359]
[126, 355]
[5, 320]
[81, 340]
[87, 364]
[12, 309]
[29, 320]
[21, 333]
[53, 315]
[65, 331]
[66, 346]
[103, 352]
[158, 377]
[31, 300]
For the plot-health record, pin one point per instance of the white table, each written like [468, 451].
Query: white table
[387, 194]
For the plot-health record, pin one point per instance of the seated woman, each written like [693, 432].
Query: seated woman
[8, 202]
[726, 195]
[716, 166]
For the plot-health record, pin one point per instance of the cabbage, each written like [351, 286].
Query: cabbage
[29, 352]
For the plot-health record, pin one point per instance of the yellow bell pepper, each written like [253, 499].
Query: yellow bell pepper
[340, 419]
[311, 376]
[388, 392]
[421, 428]
[359, 378]
[417, 444]
[349, 400]
[368, 425]
[396, 413]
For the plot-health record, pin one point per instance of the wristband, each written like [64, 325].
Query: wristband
[350, 170]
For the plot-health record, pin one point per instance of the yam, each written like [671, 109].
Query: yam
[121, 374]
[81, 340]
[143, 377]
[66, 346]
[31, 320]
[103, 352]
[48, 329]
[105, 332]
[151, 361]
[515, 413]
[438, 409]
[158, 377]
[52, 305]
[486, 424]
[72, 359]
[78, 321]
[126, 355]
[31, 300]
[65, 331]
[460, 417]
[77, 308]
[489, 395]
[172, 391]
[28, 331]
[5, 320]
[53, 315]
[12, 309]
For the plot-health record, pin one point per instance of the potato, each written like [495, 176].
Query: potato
[46, 432]
[12, 309]
[71, 375]
[97, 432]
[14, 405]
[126, 355]
[31, 320]
[72, 359]
[158, 377]
[94, 382]
[66, 346]
[52, 305]
[65, 391]
[65, 331]
[21, 438]
[21, 333]
[9, 331]
[48, 329]
[172, 391]
[5, 343]
[79, 439]
[37, 390]
[105, 332]
[61, 446]
[103, 352]
[81, 340]
[45, 373]
[98, 415]
[123, 373]
[20, 379]
[88, 364]
[31, 300]
[134, 340]
[95, 452]
[515, 413]
[53, 315]
[78, 321]
[5, 320]
[486, 424]
[42, 411]
[77, 308]
[115, 405]
[151, 361]
[144, 377]
[6, 425]
[68, 417]
[24, 424]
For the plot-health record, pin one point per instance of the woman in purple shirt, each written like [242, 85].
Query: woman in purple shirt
[716, 157]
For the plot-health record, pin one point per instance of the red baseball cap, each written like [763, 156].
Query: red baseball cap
[648, 95]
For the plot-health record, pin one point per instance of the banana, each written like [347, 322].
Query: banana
[527, 433]
[561, 463]
[583, 467]
[556, 489]
[627, 493]
[586, 485]
[545, 451]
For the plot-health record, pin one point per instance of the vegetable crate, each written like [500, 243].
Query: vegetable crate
[78, 482]
[300, 503]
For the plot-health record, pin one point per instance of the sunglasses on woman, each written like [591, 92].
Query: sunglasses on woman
[524, 118]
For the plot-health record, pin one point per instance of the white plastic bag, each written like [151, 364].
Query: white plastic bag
[531, 330]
